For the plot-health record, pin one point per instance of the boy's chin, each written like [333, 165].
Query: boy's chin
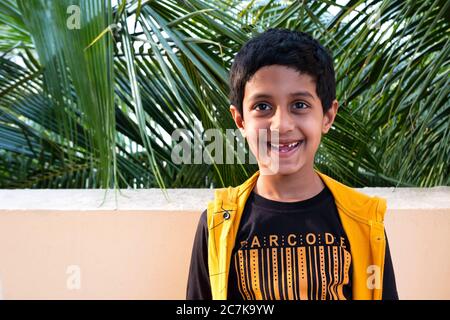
[281, 170]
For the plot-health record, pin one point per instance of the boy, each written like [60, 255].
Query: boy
[291, 232]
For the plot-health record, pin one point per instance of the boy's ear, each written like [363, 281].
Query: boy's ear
[329, 116]
[238, 119]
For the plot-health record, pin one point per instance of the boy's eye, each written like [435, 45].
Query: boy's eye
[300, 105]
[262, 107]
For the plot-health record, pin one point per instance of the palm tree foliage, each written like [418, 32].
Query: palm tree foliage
[96, 106]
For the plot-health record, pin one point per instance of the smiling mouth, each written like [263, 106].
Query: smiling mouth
[284, 148]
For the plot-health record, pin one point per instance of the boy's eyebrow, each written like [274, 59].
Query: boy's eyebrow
[294, 94]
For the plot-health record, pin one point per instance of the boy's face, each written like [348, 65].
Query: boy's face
[269, 105]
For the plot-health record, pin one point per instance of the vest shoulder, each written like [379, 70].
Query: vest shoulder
[356, 202]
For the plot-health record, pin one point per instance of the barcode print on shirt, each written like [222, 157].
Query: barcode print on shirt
[293, 273]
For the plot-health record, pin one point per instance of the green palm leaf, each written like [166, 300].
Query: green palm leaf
[96, 107]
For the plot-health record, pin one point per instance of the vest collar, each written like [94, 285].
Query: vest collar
[349, 200]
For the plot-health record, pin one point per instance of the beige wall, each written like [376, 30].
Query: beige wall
[125, 252]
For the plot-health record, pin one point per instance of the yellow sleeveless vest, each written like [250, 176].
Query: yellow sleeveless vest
[362, 218]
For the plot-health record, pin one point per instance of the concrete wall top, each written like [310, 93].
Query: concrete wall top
[185, 199]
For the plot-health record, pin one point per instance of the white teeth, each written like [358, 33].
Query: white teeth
[291, 145]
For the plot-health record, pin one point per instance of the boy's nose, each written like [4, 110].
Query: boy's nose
[282, 121]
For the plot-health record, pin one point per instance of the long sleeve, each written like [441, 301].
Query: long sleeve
[389, 285]
[199, 286]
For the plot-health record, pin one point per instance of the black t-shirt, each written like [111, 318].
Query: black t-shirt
[285, 251]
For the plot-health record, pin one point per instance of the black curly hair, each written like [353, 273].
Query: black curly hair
[278, 46]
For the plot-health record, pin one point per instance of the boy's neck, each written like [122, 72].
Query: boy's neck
[302, 185]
